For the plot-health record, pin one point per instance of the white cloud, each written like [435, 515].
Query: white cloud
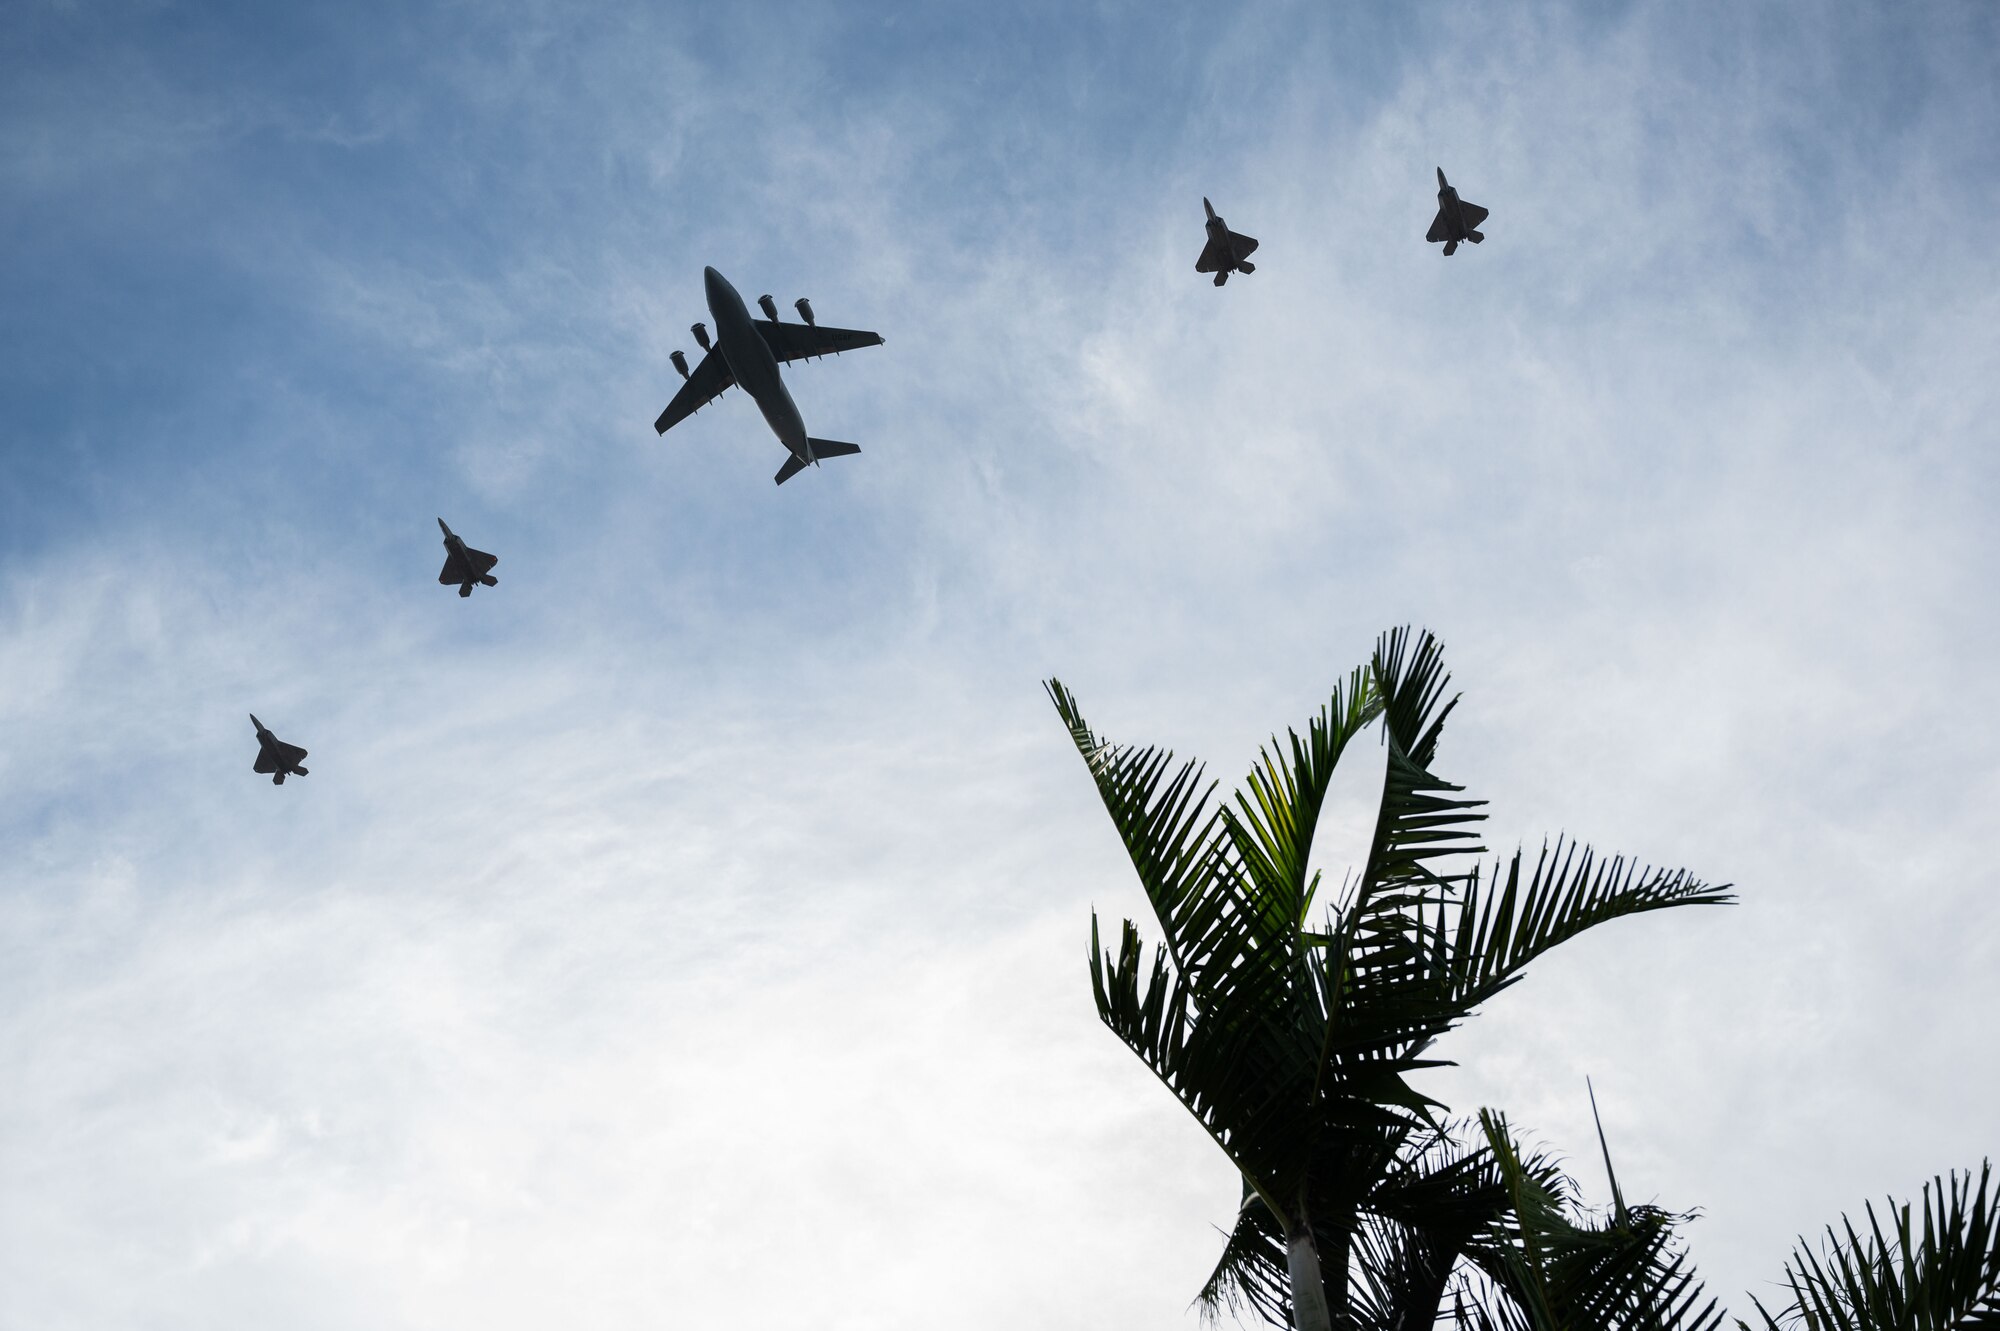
[692, 928]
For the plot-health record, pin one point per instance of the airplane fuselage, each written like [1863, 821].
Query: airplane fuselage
[1218, 235]
[1448, 205]
[752, 365]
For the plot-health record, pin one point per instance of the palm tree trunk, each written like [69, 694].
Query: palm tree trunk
[1309, 1311]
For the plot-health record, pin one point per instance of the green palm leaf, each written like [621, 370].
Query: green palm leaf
[1942, 1276]
[1626, 1273]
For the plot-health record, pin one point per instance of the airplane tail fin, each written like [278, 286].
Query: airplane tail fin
[278, 780]
[465, 589]
[1475, 236]
[1451, 247]
[819, 448]
[1222, 277]
[489, 580]
[300, 771]
[1245, 266]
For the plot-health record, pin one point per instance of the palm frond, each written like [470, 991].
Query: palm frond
[1572, 1274]
[1164, 820]
[1234, 1062]
[1252, 1273]
[1500, 930]
[1941, 1276]
[1275, 817]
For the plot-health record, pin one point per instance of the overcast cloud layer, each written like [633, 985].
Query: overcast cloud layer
[691, 931]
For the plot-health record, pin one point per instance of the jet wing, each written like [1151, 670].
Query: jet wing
[1440, 229]
[790, 342]
[275, 753]
[1471, 213]
[455, 571]
[1214, 258]
[1244, 245]
[705, 385]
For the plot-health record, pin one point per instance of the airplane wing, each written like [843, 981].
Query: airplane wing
[790, 342]
[269, 757]
[1244, 245]
[1471, 212]
[1213, 258]
[705, 385]
[455, 571]
[1439, 231]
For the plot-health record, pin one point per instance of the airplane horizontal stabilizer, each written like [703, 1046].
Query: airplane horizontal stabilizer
[793, 466]
[832, 448]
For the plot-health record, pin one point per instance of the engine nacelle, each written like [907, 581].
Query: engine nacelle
[680, 363]
[769, 306]
[700, 332]
[805, 308]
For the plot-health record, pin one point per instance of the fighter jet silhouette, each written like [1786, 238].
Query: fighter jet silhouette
[748, 352]
[1227, 251]
[464, 565]
[1456, 220]
[275, 757]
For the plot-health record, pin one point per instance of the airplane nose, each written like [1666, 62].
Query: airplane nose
[441, 527]
[1440, 177]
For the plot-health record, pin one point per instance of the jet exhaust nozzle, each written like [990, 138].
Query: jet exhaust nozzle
[805, 309]
[769, 306]
[700, 332]
[680, 361]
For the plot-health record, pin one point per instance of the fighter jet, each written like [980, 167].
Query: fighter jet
[464, 565]
[1456, 220]
[1227, 251]
[748, 352]
[275, 757]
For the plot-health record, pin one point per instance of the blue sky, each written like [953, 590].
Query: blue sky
[720, 882]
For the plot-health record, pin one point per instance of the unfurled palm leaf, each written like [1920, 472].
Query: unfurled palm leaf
[1937, 1272]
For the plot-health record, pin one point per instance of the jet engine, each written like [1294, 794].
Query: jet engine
[769, 306]
[680, 363]
[700, 332]
[804, 307]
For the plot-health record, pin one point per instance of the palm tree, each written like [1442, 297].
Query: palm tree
[1292, 1046]
[1941, 1276]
